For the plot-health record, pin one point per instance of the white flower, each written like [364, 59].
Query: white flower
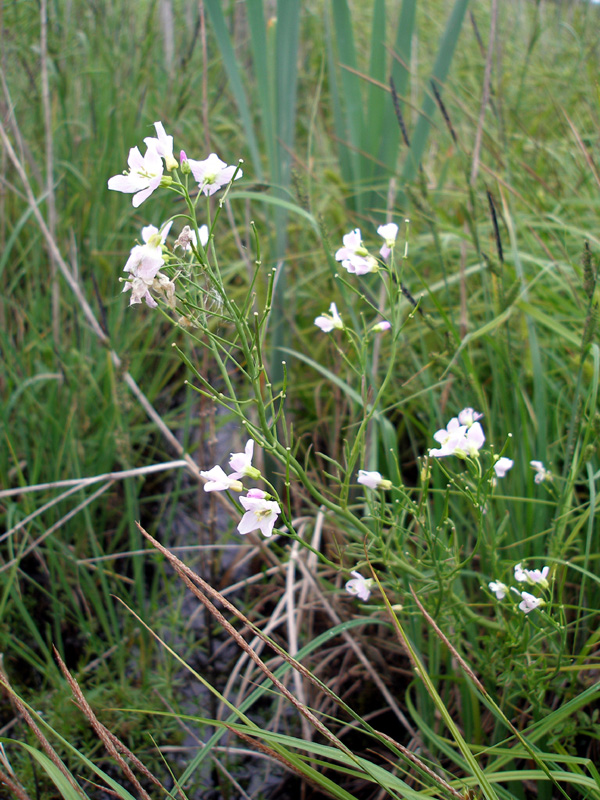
[327, 322]
[499, 589]
[468, 416]
[163, 146]
[144, 176]
[520, 573]
[389, 233]
[532, 576]
[354, 256]
[538, 576]
[529, 602]
[373, 480]
[257, 493]
[260, 515]
[219, 482]
[379, 327]
[150, 231]
[163, 284]
[474, 439]
[143, 266]
[541, 473]
[452, 438]
[241, 463]
[212, 173]
[360, 586]
[139, 291]
[502, 466]
[144, 261]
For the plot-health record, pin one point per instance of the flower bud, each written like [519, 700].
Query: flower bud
[185, 167]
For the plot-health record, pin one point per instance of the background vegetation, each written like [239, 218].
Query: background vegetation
[490, 151]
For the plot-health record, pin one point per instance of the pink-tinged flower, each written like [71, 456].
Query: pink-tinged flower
[359, 586]
[532, 576]
[241, 463]
[389, 233]
[260, 515]
[380, 327]
[520, 573]
[143, 266]
[474, 439]
[183, 161]
[529, 602]
[151, 230]
[499, 589]
[212, 173]
[451, 438]
[163, 284]
[354, 255]
[468, 416]
[219, 482]
[144, 176]
[502, 466]
[139, 291]
[538, 576]
[257, 493]
[163, 146]
[144, 261]
[541, 473]
[373, 480]
[327, 322]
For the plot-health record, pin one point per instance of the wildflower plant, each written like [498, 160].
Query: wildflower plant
[404, 539]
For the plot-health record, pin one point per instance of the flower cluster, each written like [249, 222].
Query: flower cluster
[261, 512]
[541, 473]
[534, 577]
[145, 175]
[355, 258]
[463, 436]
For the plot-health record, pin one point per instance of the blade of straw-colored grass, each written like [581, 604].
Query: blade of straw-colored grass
[79, 483]
[439, 74]
[230, 65]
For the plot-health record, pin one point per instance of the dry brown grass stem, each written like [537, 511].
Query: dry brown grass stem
[357, 650]
[113, 746]
[193, 581]
[18, 791]
[268, 751]
[46, 746]
[449, 644]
